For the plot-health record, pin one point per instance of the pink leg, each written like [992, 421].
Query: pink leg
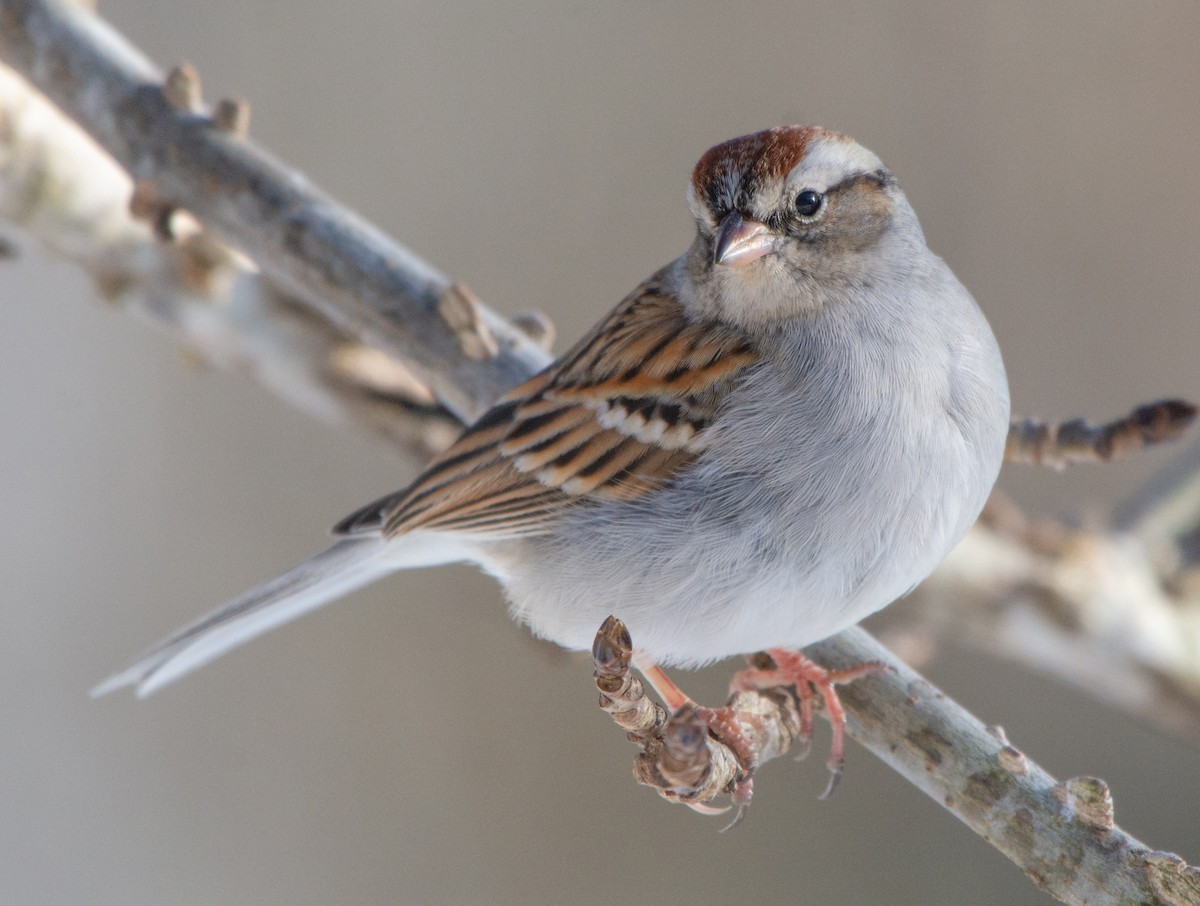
[794, 669]
[672, 696]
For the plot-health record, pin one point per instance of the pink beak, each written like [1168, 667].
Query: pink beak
[740, 241]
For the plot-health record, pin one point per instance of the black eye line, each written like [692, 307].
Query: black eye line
[713, 199]
[881, 179]
[776, 222]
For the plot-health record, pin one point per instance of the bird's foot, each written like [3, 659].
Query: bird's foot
[794, 669]
[724, 725]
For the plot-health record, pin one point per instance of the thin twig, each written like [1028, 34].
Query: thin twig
[1057, 444]
[1061, 834]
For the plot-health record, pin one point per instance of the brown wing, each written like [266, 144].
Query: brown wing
[614, 418]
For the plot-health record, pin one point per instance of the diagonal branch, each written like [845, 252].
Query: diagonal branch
[374, 290]
[311, 246]
[60, 187]
[1062, 834]
[1091, 608]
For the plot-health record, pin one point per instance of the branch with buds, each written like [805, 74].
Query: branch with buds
[243, 263]
[1062, 834]
[1058, 445]
[156, 128]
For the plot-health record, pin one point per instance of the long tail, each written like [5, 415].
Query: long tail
[347, 565]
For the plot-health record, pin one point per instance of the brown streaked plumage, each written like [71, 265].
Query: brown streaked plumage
[615, 418]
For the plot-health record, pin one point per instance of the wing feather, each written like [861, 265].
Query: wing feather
[615, 418]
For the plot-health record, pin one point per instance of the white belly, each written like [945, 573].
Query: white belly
[801, 519]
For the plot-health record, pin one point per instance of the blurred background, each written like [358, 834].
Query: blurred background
[411, 744]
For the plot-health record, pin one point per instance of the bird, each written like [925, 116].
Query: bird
[779, 433]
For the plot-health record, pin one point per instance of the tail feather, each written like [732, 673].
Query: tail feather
[339, 570]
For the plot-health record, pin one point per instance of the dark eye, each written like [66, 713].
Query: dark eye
[809, 202]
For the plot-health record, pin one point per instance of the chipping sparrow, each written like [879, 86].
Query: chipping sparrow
[776, 435]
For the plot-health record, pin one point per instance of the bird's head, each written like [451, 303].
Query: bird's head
[787, 216]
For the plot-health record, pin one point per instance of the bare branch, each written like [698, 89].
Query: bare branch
[58, 185]
[318, 251]
[1165, 515]
[374, 290]
[1061, 834]
[1090, 608]
[1058, 444]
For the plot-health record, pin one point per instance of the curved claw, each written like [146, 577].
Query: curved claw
[737, 819]
[742, 794]
[704, 808]
[835, 776]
